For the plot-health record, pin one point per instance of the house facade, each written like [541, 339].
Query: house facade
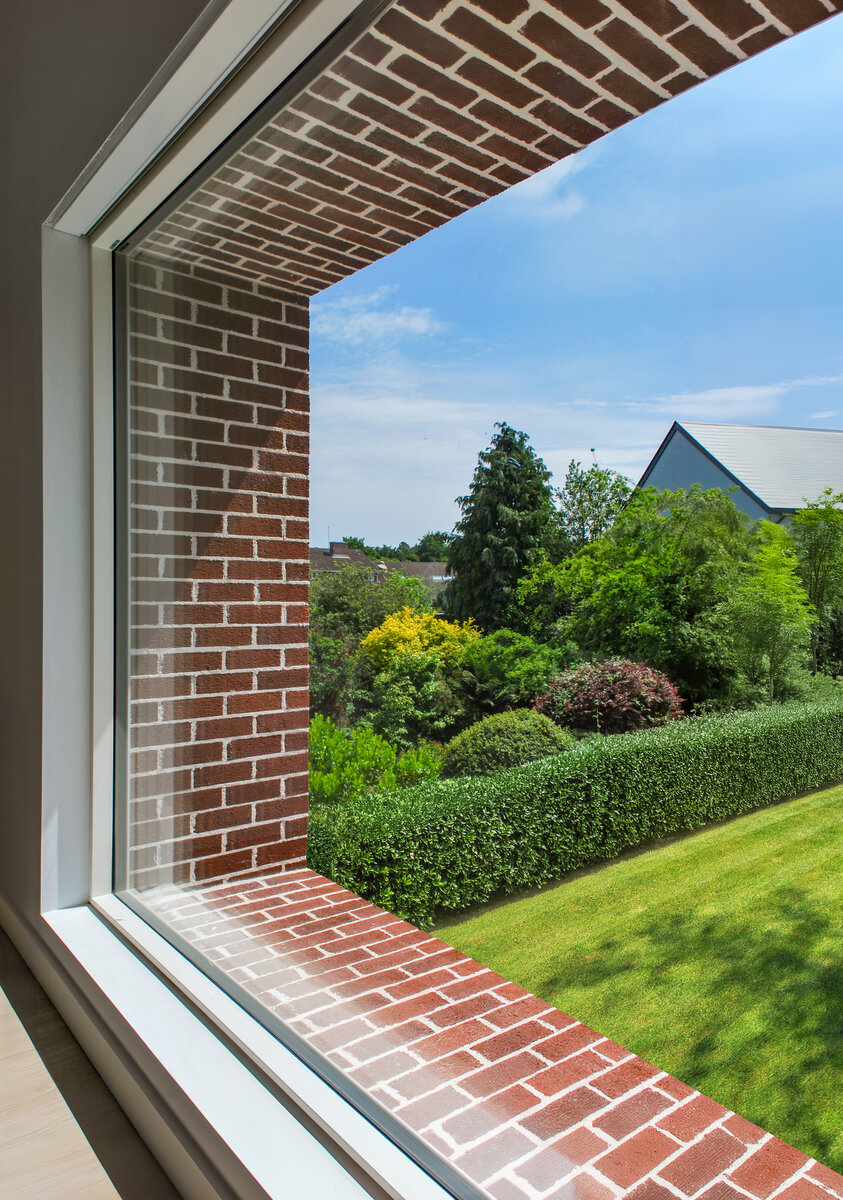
[769, 470]
[434, 575]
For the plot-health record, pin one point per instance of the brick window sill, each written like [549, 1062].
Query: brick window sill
[231, 1112]
[515, 1097]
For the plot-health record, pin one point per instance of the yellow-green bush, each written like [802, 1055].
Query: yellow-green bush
[412, 632]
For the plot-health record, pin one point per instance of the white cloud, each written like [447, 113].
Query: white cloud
[366, 319]
[546, 196]
[743, 399]
[741, 402]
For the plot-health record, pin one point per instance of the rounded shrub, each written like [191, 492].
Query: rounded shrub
[613, 696]
[504, 740]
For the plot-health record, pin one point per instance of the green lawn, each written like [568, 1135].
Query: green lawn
[718, 957]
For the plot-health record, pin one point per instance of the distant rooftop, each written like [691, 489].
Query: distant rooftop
[782, 466]
[335, 556]
[339, 554]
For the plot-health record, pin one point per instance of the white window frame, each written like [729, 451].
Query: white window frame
[228, 1110]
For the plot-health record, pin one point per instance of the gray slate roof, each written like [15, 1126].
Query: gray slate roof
[781, 466]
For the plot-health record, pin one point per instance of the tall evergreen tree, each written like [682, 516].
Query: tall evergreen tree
[505, 520]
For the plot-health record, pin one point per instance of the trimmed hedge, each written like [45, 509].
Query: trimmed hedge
[504, 740]
[448, 845]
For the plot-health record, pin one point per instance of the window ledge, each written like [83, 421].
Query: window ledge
[288, 1134]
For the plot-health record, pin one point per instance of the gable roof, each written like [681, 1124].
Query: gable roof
[782, 466]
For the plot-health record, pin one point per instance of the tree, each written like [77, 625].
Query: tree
[648, 589]
[403, 552]
[589, 502]
[505, 519]
[818, 536]
[768, 615]
[345, 606]
[433, 547]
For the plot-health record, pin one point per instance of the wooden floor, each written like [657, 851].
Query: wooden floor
[62, 1135]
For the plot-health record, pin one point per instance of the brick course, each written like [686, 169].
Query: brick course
[463, 1058]
[218, 575]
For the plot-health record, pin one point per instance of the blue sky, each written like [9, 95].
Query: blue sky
[688, 265]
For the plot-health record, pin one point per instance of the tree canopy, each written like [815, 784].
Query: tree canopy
[768, 615]
[648, 589]
[432, 547]
[818, 537]
[501, 534]
[589, 501]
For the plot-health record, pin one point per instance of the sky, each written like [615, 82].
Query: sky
[686, 266]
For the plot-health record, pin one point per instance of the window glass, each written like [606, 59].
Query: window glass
[384, 138]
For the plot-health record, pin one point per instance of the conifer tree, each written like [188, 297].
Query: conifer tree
[505, 520]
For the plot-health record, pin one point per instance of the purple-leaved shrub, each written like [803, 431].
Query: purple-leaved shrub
[612, 696]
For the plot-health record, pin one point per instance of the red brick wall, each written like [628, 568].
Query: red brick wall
[218, 576]
[526, 1102]
[442, 104]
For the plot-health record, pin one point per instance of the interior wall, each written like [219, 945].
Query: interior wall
[69, 72]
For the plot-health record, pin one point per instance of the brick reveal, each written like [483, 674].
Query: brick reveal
[441, 105]
[522, 1099]
[218, 576]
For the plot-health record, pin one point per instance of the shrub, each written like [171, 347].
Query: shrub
[348, 763]
[415, 696]
[349, 603]
[504, 740]
[345, 605]
[615, 696]
[412, 632]
[508, 670]
[409, 679]
[454, 843]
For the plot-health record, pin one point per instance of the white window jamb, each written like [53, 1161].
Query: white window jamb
[100, 968]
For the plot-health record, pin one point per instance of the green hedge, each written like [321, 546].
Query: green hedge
[448, 845]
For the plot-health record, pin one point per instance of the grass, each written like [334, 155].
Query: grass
[716, 956]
